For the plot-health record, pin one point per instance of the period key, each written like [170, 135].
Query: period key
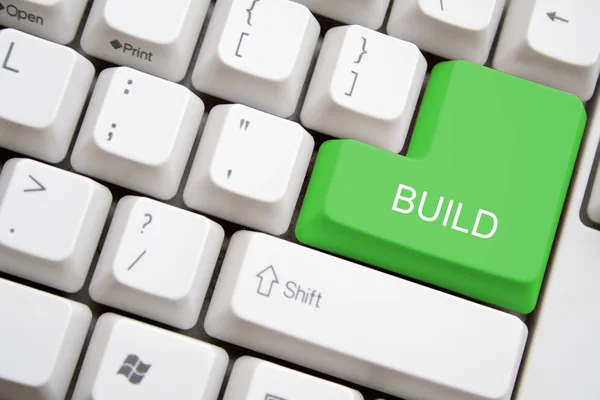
[474, 205]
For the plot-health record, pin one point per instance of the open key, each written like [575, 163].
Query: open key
[48, 86]
[55, 20]
[257, 53]
[50, 223]
[150, 35]
[362, 325]
[474, 205]
[554, 43]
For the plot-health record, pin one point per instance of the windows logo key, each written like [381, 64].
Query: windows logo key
[133, 369]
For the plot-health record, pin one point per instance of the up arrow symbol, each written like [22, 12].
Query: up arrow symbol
[268, 278]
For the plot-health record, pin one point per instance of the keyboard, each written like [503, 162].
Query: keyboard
[309, 199]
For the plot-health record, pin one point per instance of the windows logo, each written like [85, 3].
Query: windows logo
[133, 369]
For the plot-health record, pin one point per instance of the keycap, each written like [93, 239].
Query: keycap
[553, 43]
[50, 223]
[157, 261]
[474, 205]
[148, 35]
[365, 86]
[127, 359]
[257, 52]
[49, 85]
[562, 355]
[55, 20]
[362, 325]
[252, 378]
[452, 29]
[249, 168]
[593, 207]
[40, 341]
[369, 13]
[138, 132]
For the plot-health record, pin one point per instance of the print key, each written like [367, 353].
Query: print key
[474, 205]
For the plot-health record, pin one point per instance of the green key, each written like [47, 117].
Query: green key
[474, 205]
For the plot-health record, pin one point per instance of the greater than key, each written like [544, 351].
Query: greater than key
[474, 205]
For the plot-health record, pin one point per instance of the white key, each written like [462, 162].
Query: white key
[454, 29]
[131, 360]
[50, 223]
[138, 132]
[362, 325]
[554, 43]
[257, 52]
[252, 378]
[48, 86]
[55, 20]
[40, 341]
[365, 86]
[249, 168]
[149, 35]
[157, 261]
[593, 208]
[369, 13]
[563, 354]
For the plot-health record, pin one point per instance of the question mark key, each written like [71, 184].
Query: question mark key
[135, 271]
[148, 220]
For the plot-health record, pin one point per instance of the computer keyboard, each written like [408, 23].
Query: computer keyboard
[180, 219]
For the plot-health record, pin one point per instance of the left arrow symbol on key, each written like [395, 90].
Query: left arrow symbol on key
[1, 7]
[39, 188]
[7, 58]
[268, 278]
[553, 16]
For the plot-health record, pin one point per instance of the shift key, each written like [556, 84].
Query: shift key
[474, 205]
[361, 325]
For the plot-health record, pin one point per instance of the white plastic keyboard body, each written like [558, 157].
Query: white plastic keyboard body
[130, 186]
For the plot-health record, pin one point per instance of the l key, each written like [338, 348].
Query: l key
[48, 86]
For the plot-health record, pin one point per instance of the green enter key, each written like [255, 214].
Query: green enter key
[474, 205]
